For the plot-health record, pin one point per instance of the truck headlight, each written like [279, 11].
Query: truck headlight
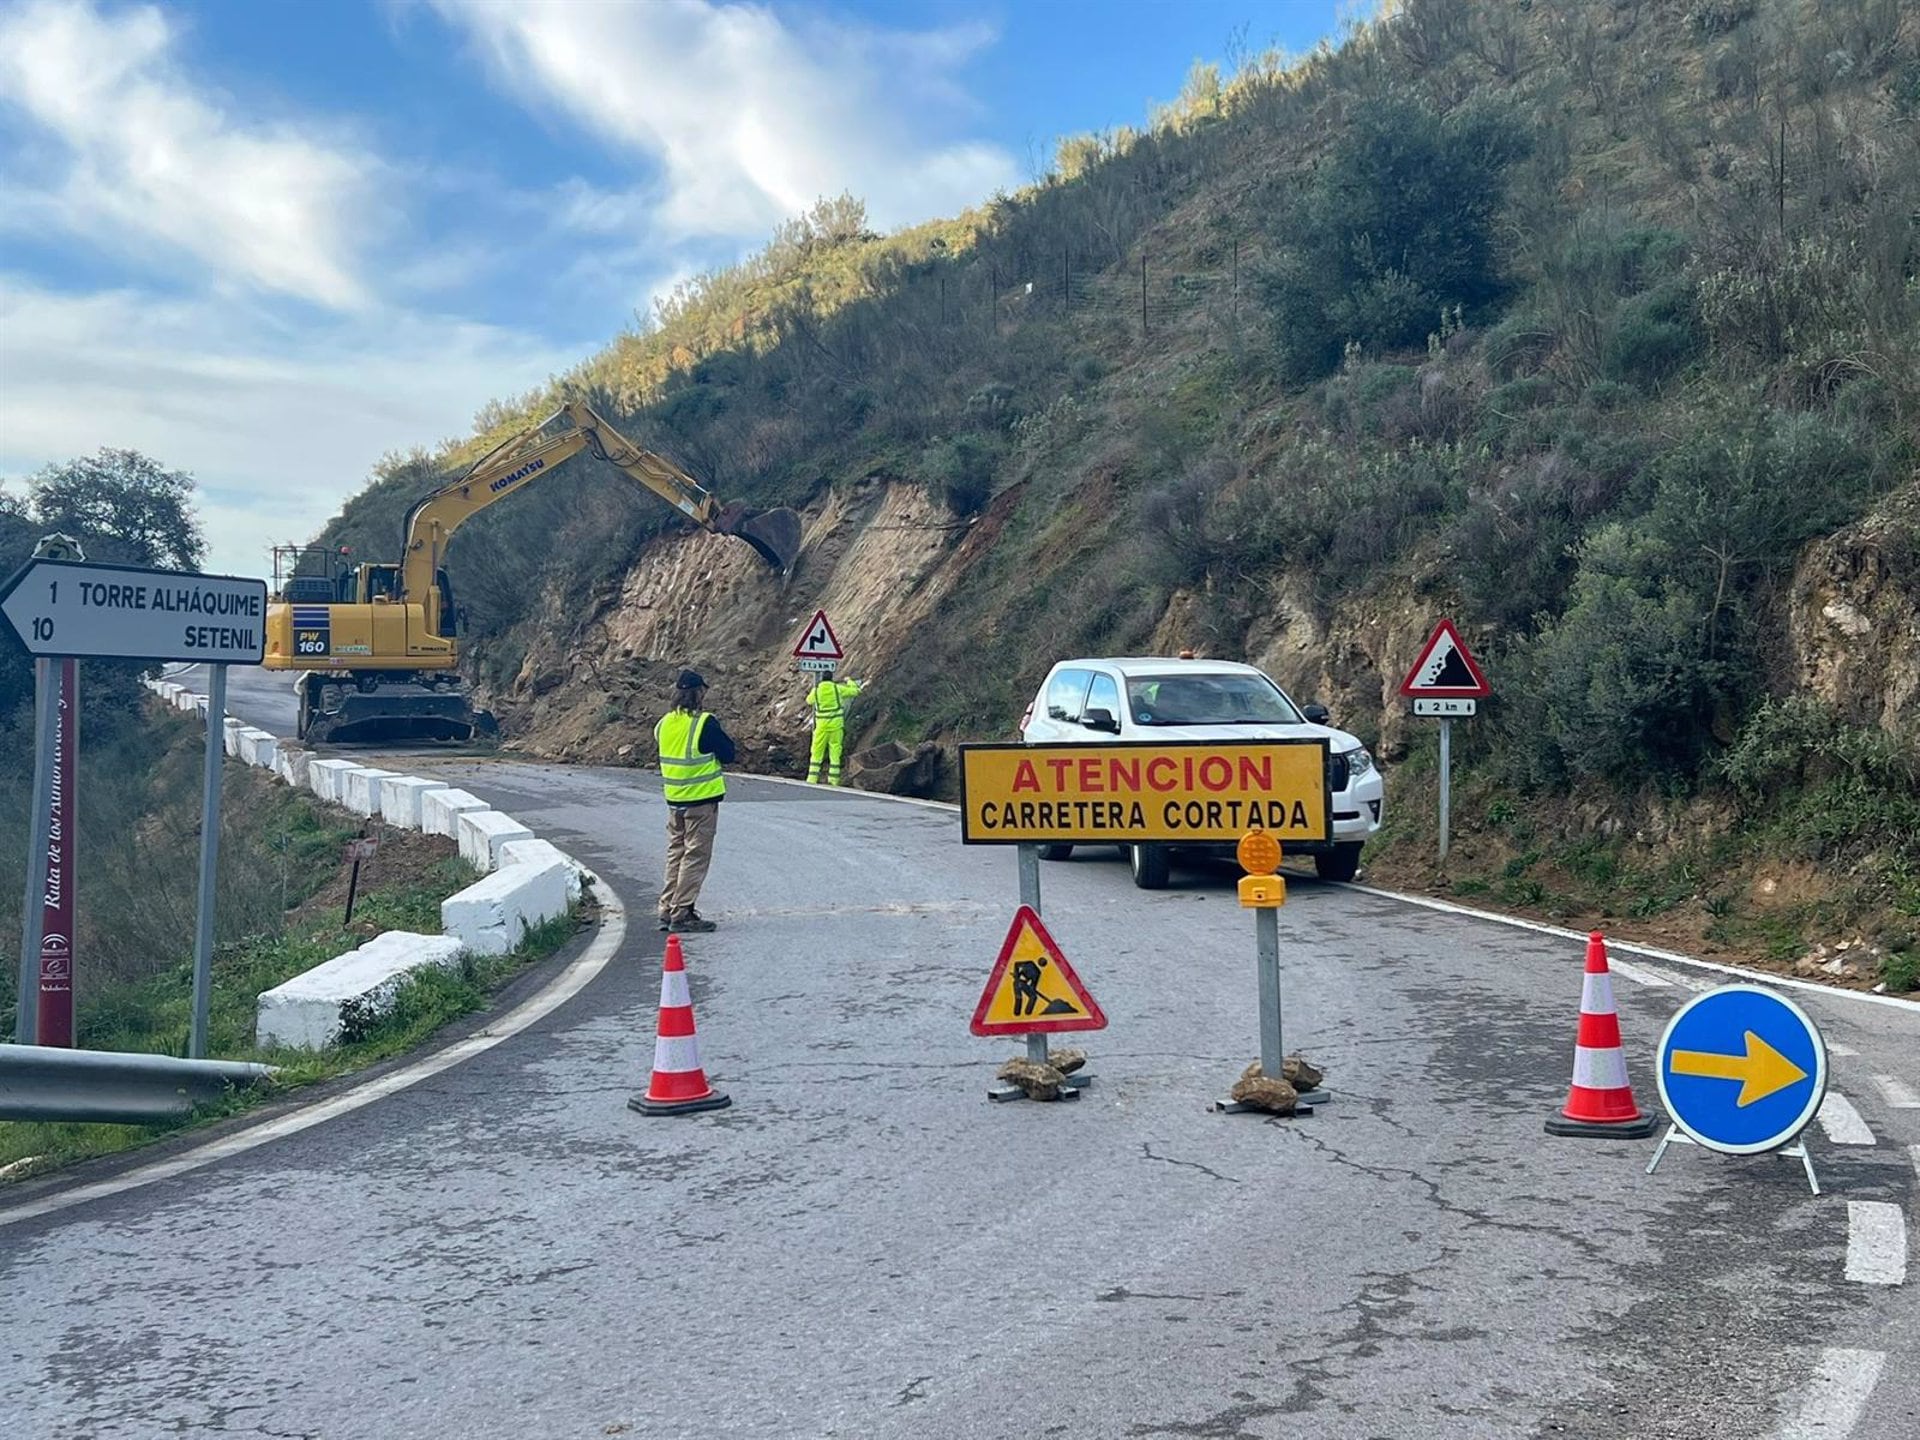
[1359, 762]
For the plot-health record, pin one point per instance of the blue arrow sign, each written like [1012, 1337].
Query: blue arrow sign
[1741, 1069]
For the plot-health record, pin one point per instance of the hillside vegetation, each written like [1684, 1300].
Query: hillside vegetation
[1592, 323]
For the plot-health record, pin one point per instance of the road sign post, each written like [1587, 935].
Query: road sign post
[65, 609]
[53, 1022]
[1742, 1071]
[32, 910]
[1446, 681]
[1029, 863]
[1264, 891]
[209, 860]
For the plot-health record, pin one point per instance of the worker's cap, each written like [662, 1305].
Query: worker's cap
[691, 680]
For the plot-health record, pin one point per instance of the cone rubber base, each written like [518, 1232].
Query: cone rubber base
[1611, 1130]
[715, 1101]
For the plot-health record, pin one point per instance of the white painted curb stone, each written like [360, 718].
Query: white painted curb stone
[360, 789]
[483, 832]
[493, 915]
[400, 797]
[440, 811]
[304, 1012]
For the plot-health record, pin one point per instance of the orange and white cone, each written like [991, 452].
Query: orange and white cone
[679, 1083]
[1600, 1100]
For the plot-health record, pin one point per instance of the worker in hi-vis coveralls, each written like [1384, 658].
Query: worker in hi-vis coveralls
[827, 703]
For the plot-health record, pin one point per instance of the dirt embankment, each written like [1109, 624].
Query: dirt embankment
[878, 559]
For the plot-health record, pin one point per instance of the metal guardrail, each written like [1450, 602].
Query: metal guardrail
[45, 1082]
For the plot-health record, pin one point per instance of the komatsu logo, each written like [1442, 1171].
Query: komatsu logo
[520, 474]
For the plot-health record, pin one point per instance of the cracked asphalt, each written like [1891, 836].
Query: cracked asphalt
[864, 1246]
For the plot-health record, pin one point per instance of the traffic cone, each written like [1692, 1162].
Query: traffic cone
[1600, 1101]
[679, 1084]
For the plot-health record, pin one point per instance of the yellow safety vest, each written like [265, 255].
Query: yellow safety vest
[829, 698]
[686, 775]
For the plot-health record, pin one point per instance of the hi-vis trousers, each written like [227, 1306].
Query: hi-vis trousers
[829, 739]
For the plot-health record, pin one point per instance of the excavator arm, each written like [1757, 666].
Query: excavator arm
[383, 664]
[519, 461]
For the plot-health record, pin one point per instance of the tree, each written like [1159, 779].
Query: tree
[143, 511]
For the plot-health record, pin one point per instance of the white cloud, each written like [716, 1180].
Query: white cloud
[750, 121]
[278, 430]
[142, 156]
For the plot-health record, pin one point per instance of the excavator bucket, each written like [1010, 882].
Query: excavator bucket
[775, 534]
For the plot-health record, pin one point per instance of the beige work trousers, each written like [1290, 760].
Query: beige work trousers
[690, 830]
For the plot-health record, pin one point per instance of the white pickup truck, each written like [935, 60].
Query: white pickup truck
[1182, 699]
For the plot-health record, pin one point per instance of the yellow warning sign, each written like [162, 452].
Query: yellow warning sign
[1032, 989]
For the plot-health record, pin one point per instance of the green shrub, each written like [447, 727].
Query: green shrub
[1653, 336]
[1397, 223]
[959, 472]
[1518, 346]
[1663, 637]
[1864, 781]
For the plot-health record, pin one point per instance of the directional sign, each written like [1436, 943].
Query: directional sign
[1741, 1069]
[1197, 791]
[1445, 668]
[818, 648]
[1032, 989]
[120, 612]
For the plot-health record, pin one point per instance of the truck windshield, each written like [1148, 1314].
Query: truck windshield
[1190, 699]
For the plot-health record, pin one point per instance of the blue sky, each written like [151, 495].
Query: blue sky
[270, 241]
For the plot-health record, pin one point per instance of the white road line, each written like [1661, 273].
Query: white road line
[1672, 957]
[1627, 970]
[1842, 1122]
[1900, 1095]
[1836, 1396]
[1876, 1243]
[570, 982]
[1834, 1047]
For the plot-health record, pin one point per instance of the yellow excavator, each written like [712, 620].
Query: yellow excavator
[376, 646]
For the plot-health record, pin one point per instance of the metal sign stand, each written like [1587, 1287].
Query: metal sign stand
[1266, 929]
[46, 695]
[209, 859]
[1446, 782]
[1796, 1151]
[1265, 894]
[1029, 862]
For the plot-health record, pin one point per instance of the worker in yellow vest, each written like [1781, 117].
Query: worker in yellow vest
[827, 704]
[693, 748]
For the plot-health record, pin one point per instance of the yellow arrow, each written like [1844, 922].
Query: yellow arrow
[1761, 1071]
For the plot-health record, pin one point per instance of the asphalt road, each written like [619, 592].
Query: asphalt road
[864, 1246]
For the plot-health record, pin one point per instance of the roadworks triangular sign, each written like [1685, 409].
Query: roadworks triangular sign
[1032, 988]
[817, 641]
[1445, 669]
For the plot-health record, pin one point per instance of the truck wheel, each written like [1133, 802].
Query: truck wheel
[1151, 866]
[1341, 863]
[1055, 852]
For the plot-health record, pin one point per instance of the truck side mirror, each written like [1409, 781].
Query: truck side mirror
[1101, 720]
[1316, 714]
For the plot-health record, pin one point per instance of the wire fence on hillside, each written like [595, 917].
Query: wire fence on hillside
[1143, 297]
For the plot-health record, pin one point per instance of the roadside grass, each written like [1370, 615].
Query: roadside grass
[153, 1015]
[1528, 855]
